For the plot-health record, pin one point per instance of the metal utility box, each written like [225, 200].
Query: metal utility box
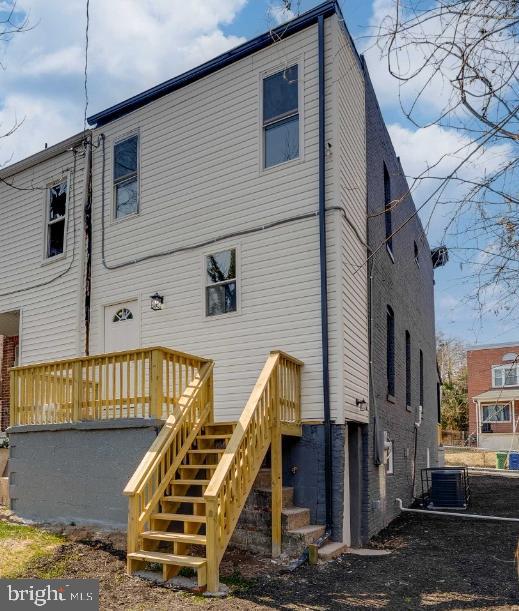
[446, 487]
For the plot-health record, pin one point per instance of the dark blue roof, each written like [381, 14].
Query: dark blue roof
[264, 40]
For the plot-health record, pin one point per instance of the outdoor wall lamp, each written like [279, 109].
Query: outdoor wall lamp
[157, 301]
[361, 404]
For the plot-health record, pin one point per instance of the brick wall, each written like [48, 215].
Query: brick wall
[479, 380]
[7, 357]
[408, 289]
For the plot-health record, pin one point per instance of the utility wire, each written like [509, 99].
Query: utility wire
[87, 27]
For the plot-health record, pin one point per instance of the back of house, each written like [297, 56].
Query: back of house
[223, 215]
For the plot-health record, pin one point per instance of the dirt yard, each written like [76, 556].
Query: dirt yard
[465, 457]
[437, 563]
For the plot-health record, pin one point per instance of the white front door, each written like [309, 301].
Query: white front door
[122, 326]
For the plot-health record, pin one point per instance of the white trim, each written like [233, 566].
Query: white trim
[46, 260]
[262, 75]
[237, 248]
[126, 136]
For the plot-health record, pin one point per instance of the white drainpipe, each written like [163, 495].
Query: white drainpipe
[473, 516]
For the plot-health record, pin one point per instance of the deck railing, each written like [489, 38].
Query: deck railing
[141, 383]
[273, 403]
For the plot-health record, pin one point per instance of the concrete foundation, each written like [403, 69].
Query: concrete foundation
[76, 472]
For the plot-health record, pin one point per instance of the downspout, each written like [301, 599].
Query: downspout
[328, 480]
[87, 210]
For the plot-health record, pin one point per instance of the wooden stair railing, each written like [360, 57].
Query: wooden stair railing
[276, 396]
[151, 478]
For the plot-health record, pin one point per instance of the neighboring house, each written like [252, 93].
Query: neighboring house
[224, 214]
[493, 392]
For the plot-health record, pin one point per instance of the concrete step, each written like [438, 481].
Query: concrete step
[261, 498]
[332, 550]
[307, 534]
[262, 479]
[294, 517]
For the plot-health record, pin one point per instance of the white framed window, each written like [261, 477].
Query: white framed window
[280, 116]
[122, 314]
[390, 465]
[221, 292]
[498, 412]
[126, 177]
[56, 219]
[505, 375]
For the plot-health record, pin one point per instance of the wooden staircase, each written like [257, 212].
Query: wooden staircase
[181, 520]
[186, 496]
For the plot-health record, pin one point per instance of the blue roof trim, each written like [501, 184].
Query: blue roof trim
[264, 40]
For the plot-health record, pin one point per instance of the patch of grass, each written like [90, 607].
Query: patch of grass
[22, 545]
[236, 581]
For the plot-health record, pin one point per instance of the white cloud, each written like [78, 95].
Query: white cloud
[280, 13]
[134, 44]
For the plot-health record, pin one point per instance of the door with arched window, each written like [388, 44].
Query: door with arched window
[122, 326]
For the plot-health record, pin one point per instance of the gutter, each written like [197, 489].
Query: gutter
[328, 453]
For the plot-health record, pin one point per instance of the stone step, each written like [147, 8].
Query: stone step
[261, 498]
[332, 550]
[307, 534]
[294, 517]
[262, 479]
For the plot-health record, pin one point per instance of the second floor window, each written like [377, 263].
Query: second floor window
[387, 210]
[220, 289]
[281, 117]
[56, 219]
[126, 177]
[421, 379]
[390, 351]
[505, 375]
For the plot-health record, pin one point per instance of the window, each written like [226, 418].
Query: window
[281, 117]
[221, 283]
[390, 351]
[57, 197]
[421, 379]
[416, 254]
[495, 413]
[122, 314]
[389, 446]
[387, 211]
[408, 369]
[505, 375]
[126, 179]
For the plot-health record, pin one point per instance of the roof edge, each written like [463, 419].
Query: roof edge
[297, 24]
[44, 155]
[490, 346]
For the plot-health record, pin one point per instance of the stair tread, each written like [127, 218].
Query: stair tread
[191, 482]
[304, 530]
[177, 517]
[198, 466]
[192, 561]
[294, 510]
[184, 499]
[207, 451]
[215, 436]
[170, 536]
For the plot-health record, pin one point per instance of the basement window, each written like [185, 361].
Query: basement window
[281, 117]
[220, 291]
[126, 177]
[56, 210]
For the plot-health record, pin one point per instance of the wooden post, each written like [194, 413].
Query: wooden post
[76, 391]
[12, 399]
[276, 461]
[156, 388]
[133, 529]
[213, 576]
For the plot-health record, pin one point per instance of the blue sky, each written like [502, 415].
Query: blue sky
[135, 44]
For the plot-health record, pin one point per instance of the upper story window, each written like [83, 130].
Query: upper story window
[390, 351]
[281, 117]
[505, 375]
[56, 210]
[416, 254]
[387, 211]
[221, 294]
[126, 177]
